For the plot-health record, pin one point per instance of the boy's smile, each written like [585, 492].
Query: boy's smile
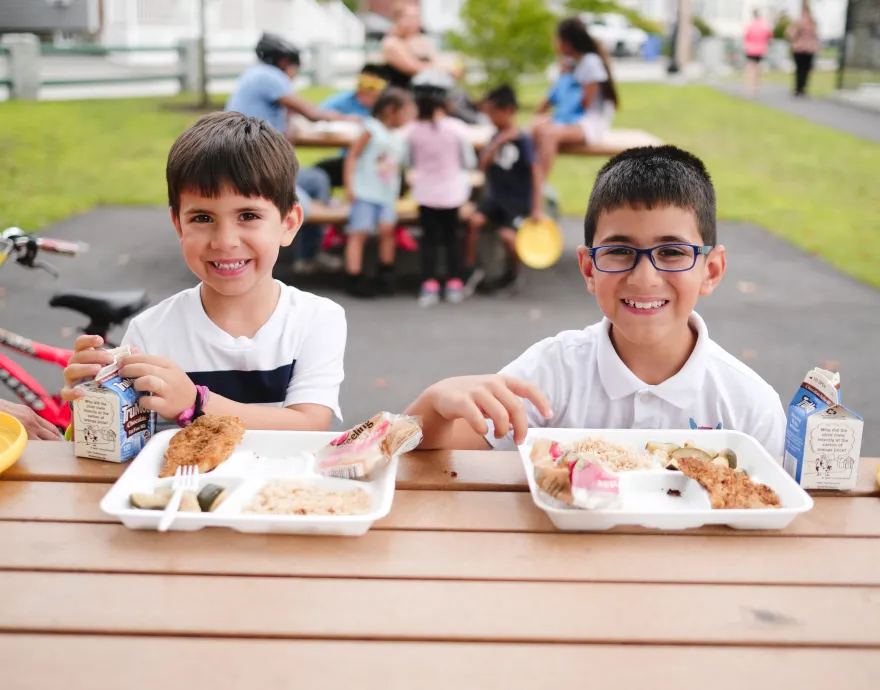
[647, 306]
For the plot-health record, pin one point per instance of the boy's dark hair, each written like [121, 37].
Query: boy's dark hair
[375, 70]
[392, 97]
[503, 97]
[232, 149]
[653, 177]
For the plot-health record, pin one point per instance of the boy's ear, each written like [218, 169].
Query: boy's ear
[175, 219]
[587, 269]
[716, 265]
[291, 223]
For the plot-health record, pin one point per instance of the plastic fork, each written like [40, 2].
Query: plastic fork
[185, 479]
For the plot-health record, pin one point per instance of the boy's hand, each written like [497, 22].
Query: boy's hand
[85, 364]
[172, 390]
[349, 194]
[497, 397]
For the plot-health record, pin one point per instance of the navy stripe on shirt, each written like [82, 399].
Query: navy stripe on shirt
[249, 387]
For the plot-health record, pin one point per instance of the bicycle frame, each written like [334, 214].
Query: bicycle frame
[50, 407]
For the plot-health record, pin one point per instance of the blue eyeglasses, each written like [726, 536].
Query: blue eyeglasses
[670, 258]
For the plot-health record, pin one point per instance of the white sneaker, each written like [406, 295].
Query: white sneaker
[329, 262]
[305, 268]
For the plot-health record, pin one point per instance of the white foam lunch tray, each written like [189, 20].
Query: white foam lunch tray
[262, 457]
[643, 493]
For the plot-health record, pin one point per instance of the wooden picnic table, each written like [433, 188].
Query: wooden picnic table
[614, 142]
[464, 585]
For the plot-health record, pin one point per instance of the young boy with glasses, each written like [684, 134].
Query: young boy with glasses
[650, 253]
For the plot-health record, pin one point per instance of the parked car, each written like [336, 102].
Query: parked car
[615, 33]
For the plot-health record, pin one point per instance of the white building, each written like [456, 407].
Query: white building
[730, 17]
[230, 23]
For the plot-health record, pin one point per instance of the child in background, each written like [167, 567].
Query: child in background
[372, 181]
[599, 95]
[513, 186]
[440, 153]
[566, 98]
[358, 101]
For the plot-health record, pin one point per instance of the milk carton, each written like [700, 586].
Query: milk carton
[109, 422]
[823, 438]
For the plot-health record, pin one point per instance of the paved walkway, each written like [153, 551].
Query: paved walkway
[859, 122]
[779, 309]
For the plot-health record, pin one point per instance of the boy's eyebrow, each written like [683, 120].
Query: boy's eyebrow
[663, 239]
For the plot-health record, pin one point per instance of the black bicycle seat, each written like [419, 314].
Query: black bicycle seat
[108, 308]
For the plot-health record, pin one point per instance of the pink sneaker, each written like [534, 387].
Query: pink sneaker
[454, 292]
[429, 294]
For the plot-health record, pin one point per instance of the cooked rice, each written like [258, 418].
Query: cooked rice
[292, 498]
[611, 456]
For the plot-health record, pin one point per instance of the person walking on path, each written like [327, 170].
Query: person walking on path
[755, 45]
[803, 37]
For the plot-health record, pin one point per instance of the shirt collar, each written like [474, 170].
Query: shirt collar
[680, 390]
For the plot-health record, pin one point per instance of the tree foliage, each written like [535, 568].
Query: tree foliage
[507, 37]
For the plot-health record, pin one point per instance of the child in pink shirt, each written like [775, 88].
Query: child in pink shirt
[440, 154]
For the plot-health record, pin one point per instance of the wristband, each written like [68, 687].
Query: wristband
[189, 415]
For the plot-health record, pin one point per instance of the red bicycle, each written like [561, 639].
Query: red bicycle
[104, 310]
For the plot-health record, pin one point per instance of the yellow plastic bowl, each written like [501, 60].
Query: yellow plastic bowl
[539, 243]
[13, 439]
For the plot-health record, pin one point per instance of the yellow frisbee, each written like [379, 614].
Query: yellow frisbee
[539, 243]
[13, 438]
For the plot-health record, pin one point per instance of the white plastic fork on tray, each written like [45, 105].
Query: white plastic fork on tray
[185, 479]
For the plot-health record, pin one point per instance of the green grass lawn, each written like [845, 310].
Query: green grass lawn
[808, 184]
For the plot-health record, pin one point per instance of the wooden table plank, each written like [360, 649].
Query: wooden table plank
[184, 663]
[444, 555]
[439, 611]
[453, 470]
[468, 511]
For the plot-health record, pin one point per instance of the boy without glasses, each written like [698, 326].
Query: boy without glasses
[245, 344]
[650, 253]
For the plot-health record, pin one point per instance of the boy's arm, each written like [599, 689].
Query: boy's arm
[304, 417]
[297, 104]
[351, 157]
[489, 151]
[543, 106]
[455, 411]
[769, 425]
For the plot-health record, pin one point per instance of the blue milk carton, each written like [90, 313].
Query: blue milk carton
[109, 421]
[823, 439]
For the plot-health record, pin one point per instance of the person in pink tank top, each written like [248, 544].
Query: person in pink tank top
[756, 42]
[440, 154]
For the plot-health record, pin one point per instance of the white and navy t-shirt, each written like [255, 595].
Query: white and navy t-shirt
[589, 387]
[295, 357]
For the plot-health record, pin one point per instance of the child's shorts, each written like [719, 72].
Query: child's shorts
[365, 216]
[502, 215]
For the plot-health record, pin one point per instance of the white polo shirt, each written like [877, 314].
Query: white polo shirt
[589, 387]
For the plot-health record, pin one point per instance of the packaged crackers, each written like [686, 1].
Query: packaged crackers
[364, 451]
